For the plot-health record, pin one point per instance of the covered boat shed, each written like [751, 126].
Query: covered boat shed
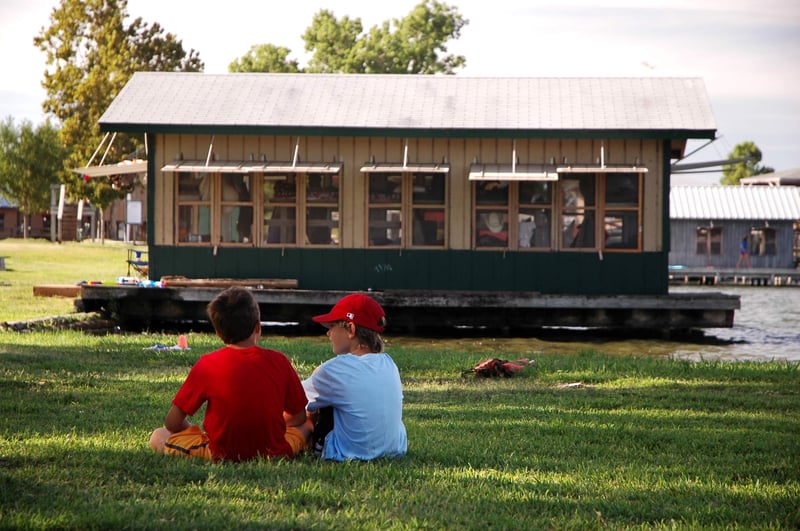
[435, 192]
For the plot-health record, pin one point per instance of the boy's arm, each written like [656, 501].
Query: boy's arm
[176, 420]
[295, 420]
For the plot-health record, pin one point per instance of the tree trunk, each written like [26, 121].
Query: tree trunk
[102, 227]
[25, 225]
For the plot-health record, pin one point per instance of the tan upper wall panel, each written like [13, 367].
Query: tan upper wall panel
[353, 152]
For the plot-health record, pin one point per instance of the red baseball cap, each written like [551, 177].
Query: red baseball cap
[356, 308]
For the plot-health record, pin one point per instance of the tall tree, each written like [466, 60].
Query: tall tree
[416, 44]
[265, 58]
[91, 53]
[732, 174]
[31, 159]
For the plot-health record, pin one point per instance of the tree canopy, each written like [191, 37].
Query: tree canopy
[732, 174]
[31, 159]
[415, 44]
[91, 53]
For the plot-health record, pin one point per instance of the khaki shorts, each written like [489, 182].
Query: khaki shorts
[193, 442]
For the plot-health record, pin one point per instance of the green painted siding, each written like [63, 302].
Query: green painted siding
[361, 269]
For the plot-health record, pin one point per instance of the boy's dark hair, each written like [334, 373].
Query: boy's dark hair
[234, 314]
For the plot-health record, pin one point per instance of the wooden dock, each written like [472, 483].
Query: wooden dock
[415, 311]
[734, 277]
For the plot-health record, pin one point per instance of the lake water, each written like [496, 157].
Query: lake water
[767, 327]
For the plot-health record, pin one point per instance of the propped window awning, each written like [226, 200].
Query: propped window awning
[200, 166]
[126, 167]
[399, 167]
[513, 172]
[595, 168]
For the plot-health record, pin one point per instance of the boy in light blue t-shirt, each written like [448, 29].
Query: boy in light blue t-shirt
[359, 391]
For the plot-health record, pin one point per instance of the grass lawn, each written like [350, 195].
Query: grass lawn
[641, 443]
[32, 263]
[638, 442]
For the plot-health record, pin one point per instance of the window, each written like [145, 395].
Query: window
[304, 206]
[280, 209]
[578, 210]
[236, 212]
[406, 209]
[621, 217]
[762, 242]
[545, 214]
[491, 214]
[322, 209]
[296, 208]
[194, 207]
[535, 213]
[708, 241]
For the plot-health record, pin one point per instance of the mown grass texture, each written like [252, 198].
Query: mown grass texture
[32, 263]
[635, 443]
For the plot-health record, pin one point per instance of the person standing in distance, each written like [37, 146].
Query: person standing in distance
[355, 400]
[744, 253]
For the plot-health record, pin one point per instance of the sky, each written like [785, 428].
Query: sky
[746, 51]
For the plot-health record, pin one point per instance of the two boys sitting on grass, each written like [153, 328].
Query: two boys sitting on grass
[256, 404]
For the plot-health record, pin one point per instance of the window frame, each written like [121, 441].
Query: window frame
[513, 209]
[709, 239]
[763, 241]
[215, 204]
[407, 204]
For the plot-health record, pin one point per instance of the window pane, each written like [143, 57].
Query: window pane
[622, 189]
[715, 246]
[385, 188]
[578, 191]
[281, 191]
[428, 188]
[194, 223]
[279, 225]
[701, 240]
[770, 239]
[237, 224]
[322, 188]
[428, 226]
[621, 230]
[577, 229]
[322, 225]
[194, 187]
[492, 229]
[534, 227]
[236, 188]
[535, 193]
[384, 226]
[491, 193]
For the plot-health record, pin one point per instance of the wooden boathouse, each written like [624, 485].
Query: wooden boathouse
[455, 201]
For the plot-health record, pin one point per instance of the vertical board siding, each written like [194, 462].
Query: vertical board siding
[362, 269]
[352, 266]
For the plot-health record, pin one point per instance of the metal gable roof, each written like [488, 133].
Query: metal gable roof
[159, 101]
[735, 202]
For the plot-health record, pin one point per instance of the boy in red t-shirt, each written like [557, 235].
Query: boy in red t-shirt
[256, 403]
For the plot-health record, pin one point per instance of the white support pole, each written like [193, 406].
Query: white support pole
[210, 150]
[107, 148]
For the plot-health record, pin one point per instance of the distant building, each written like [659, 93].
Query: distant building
[11, 222]
[707, 224]
[777, 178]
